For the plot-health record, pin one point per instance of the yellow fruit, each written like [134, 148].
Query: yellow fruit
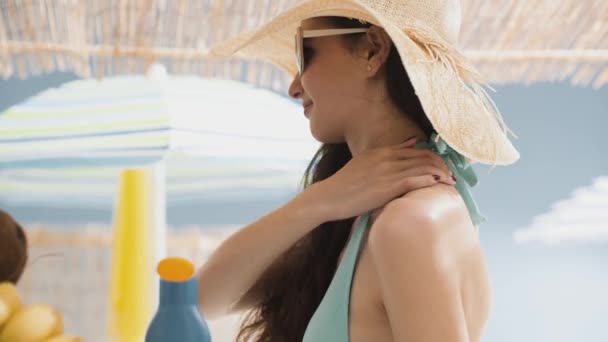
[65, 338]
[35, 323]
[10, 301]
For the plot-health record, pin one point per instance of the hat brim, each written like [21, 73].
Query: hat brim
[462, 119]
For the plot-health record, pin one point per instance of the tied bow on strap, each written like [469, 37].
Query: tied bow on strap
[460, 167]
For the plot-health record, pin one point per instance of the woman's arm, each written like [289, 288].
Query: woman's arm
[412, 247]
[367, 181]
[239, 261]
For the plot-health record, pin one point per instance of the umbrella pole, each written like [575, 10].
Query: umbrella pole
[133, 261]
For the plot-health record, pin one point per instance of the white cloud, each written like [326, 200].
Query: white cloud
[581, 218]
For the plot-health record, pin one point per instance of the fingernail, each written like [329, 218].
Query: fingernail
[410, 139]
[437, 178]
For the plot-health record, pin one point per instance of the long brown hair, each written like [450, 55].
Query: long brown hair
[13, 249]
[296, 283]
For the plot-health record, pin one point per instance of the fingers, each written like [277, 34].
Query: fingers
[403, 161]
[409, 184]
[408, 142]
[425, 158]
[400, 157]
[405, 153]
[421, 170]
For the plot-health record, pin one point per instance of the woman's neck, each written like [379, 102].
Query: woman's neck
[381, 126]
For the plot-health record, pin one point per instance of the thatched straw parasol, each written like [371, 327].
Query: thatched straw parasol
[510, 41]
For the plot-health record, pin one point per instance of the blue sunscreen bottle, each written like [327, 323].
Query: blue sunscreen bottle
[178, 317]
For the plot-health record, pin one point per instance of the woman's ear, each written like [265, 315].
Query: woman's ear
[378, 48]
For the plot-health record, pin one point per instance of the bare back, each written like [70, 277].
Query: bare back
[368, 317]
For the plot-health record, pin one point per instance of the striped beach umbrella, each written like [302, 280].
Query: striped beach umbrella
[188, 178]
[216, 139]
[133, 120]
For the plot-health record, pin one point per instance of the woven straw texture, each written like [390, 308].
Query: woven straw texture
[509, 41]
[448, 87]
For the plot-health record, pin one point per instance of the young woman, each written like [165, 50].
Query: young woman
[373, 249]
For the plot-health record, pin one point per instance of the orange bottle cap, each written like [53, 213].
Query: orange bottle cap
[175, 269]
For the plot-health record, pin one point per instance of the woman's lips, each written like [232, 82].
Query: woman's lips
[306, 108]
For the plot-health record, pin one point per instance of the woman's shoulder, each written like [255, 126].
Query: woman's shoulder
[440, 203]
[423, 219]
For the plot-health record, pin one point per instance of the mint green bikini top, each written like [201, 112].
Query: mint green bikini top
[330, 321]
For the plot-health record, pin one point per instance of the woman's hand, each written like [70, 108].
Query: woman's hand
[377, 176]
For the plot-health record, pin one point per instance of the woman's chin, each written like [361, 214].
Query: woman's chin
[323, 137]
[317, 135]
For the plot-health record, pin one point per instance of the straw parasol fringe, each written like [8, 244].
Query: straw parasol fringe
[506, 40]
[530, 41]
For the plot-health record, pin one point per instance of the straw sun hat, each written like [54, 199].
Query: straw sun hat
[425, 32]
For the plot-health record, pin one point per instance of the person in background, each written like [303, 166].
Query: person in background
[13, 249]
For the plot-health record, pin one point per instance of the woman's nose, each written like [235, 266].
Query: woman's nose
[295, 89]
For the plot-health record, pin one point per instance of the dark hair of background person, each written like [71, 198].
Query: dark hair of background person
[13, 249]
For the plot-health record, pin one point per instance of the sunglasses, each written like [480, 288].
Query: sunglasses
[301, 34]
